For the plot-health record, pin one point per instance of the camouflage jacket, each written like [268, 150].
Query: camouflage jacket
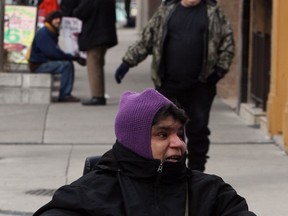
[219, 42]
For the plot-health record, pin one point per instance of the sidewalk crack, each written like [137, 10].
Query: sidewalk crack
[45, 123]
[68, 164]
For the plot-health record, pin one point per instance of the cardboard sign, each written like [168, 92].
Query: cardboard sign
[70, 29]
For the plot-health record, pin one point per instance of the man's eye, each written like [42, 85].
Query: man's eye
[181, 135]
[162, 135]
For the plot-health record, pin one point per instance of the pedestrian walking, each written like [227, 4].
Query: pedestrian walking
[145, 171]
[98, 34]
[192, 46]
[129, 21]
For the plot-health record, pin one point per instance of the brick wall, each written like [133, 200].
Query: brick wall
[228, 87]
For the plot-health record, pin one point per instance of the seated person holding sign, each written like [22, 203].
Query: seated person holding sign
[47, 57]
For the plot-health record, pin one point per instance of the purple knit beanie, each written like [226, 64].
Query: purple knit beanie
[134, 119]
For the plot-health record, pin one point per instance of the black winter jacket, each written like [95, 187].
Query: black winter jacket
[125, 184]
[98, 23]
[67, 7]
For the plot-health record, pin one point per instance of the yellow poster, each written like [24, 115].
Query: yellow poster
[19, 31]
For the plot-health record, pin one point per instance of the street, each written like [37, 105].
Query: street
[43, 147]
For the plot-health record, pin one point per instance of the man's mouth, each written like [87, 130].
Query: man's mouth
[173, 158]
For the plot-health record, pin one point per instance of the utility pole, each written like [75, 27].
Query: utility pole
[2, 21]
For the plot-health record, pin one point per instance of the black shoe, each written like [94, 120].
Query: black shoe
[95, 101]
[69, 99]
[130, 23]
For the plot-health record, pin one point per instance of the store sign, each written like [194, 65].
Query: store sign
[19, 31]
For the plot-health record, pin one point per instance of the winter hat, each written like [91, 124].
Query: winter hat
[134, 119]
[53, 15]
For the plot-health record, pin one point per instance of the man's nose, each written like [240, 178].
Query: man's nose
[176, 141]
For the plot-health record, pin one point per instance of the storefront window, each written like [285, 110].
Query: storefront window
[21, 2]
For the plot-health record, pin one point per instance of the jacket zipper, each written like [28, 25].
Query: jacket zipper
[156, 186]
[160, 167]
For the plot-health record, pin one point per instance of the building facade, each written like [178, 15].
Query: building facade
[257, 84]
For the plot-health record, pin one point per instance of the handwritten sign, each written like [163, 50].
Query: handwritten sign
[70, 30]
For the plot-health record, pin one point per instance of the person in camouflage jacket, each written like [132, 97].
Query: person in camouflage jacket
[217, 55]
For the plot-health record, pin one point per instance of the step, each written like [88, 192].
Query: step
[250, 114]
[25, 88]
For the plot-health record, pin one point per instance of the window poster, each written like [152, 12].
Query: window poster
[19, 31]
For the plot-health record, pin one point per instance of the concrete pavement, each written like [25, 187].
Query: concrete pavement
[44, 146]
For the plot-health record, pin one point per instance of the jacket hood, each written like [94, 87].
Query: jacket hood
[134, 119]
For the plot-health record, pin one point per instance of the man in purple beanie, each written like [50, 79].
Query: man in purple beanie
[145, 172]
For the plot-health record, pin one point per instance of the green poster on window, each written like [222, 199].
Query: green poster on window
[19, 31]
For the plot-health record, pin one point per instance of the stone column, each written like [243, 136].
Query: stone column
[146, 9]
[277, 114]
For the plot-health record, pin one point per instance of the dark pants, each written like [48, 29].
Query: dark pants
[65, 69]
[197, 103]
[127, 9]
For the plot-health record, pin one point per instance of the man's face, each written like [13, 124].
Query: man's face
[190, 3]
[167, 142]
[56, 22]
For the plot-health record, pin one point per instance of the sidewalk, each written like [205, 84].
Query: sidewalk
[44, 146]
